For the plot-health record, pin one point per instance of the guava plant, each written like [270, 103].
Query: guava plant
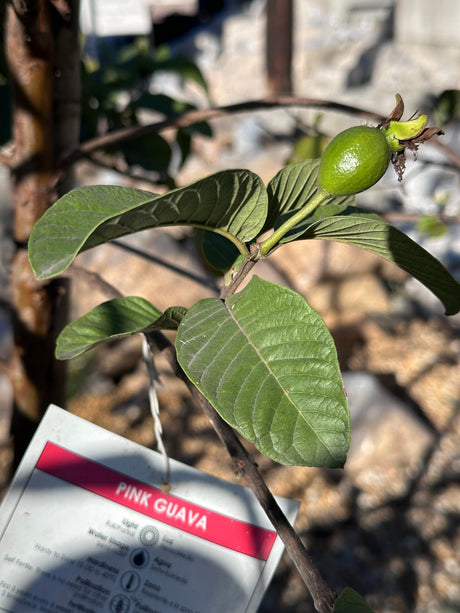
[260, 356]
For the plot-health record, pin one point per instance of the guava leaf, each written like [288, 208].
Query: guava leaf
[114, 319]
[161, 103]
[292, 187]
[267, 363]
[231, 202]
[355, 226]
[151, 152]
[217, 252]
[350, 601]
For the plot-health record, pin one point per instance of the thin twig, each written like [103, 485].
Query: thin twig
[195, 116]
[239, 277]
[189, 118]
[111, 163]
[323, 596]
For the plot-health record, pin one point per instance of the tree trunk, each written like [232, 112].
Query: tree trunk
[279, 46]
[34, 28]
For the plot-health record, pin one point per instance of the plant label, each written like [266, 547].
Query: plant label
[86, 527]
[115, 17]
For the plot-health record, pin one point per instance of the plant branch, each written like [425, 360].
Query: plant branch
[247, 265]
[323, 596]
[191, 117]
[110, 163]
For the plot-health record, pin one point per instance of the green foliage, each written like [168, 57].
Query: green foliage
[217, 252]
[431, 225]
[262, 356]
[446, 106]
[355, 226]
[112, 320]
[267, 363]
[350, 601]
[292, 187]
[311, 145]
[233, 203]
[115, 93]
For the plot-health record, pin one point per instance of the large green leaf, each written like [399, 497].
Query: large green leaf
[267, 363]
[114, 319]
[292, 187]
[354, 226]
[350, 601]
[231, 202]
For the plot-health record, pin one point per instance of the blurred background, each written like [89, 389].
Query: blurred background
[387, 524]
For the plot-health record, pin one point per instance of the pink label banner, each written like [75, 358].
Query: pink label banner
[176, 512]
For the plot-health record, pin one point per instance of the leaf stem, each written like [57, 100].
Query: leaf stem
[269, 243]
[246, 267]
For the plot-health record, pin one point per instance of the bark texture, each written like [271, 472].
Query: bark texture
[35, 31]
[279, 46]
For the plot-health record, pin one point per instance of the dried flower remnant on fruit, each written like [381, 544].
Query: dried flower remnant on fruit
[402, 135]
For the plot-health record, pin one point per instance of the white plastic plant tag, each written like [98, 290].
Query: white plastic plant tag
[84, 529]
[115, 17]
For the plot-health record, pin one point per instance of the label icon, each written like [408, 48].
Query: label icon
[119, 604]
[139, 558]
[149, 536]
[130, 581]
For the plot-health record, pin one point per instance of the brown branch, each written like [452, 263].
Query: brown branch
[323, 596]
[448, 151]
[238, 278]
[191, 117]
[123, 169]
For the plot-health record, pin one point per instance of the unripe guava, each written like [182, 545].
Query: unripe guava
[354, 160]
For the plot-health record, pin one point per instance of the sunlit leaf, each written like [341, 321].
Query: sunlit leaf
[354, 226]
[267, 363]
[232, 203]
[112, 320]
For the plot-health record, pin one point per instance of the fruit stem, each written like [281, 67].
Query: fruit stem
[269, 243]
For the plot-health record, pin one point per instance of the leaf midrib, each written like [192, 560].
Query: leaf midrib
[270, 370]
